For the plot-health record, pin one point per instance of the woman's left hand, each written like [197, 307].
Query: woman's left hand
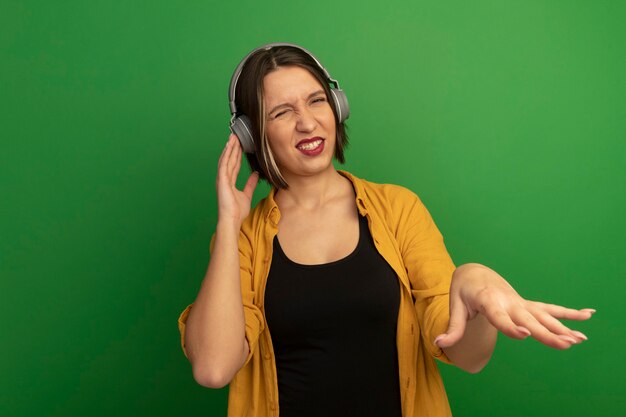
[477, 289]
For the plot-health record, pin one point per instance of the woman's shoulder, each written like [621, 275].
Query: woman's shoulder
[400, 206]
[388, 193]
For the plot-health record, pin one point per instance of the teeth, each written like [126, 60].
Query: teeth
[311, 145]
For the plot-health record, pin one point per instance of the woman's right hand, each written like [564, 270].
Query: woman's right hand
[233, 205]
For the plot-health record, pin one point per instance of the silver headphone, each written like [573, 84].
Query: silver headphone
[240, 124]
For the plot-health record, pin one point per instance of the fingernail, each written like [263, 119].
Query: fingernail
[590, 310]
[524, 330]
[438, 338]
[579, 334]
[568, 339]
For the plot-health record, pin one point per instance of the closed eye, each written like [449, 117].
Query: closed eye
[280, 114]
[315, 100]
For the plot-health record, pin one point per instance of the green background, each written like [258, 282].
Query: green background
[506, 117]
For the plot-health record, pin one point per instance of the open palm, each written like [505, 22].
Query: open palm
[233, 205]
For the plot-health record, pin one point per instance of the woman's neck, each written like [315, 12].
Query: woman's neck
[310, 193]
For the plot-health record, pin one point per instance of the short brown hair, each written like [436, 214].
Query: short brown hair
[249, 101]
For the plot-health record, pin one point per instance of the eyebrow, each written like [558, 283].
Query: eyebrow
[287, 104]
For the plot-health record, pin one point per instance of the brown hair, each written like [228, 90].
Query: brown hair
[249, 101]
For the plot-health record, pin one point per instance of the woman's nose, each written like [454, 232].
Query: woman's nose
[305, 120]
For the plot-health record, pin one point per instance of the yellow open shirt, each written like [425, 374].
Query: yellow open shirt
[408, 239]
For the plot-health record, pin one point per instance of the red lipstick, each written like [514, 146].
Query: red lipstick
[305, 141]
[309, 147]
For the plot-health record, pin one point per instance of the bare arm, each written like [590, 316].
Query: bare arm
[215, 328]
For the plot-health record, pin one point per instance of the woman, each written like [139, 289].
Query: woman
[352, 277]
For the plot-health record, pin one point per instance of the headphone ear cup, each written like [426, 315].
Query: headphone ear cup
[242, 127]
[341, 104]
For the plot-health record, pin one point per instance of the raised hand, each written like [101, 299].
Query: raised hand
[482, 290]
[233, 205]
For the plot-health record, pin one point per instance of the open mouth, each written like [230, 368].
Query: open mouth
[312, 148]
[309, 146]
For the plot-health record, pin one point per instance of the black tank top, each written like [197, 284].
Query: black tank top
[333, 328]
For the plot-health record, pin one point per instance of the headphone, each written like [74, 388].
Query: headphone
[240, 124]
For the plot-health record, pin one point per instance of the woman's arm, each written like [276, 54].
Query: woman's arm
[215, 331]
[482, 302]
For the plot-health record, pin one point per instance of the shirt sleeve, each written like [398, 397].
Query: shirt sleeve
[254, 323]
[429, 268]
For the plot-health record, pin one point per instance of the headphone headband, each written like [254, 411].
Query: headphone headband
[235, 78]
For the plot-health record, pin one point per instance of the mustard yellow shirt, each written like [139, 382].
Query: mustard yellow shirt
[408, 239]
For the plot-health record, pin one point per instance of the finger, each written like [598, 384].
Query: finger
[221, 159]
[232, 157]
[248, 190]
[237, 165]
[500, 319]
[539, 332]
[558, 328]
[220, 167]
[456, 326]
[551, 323]
[224, 171]
[565, 313]
[225, 148]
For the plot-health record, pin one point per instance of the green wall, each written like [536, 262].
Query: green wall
[506, 117]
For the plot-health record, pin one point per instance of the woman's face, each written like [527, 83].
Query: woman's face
[297, 109]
